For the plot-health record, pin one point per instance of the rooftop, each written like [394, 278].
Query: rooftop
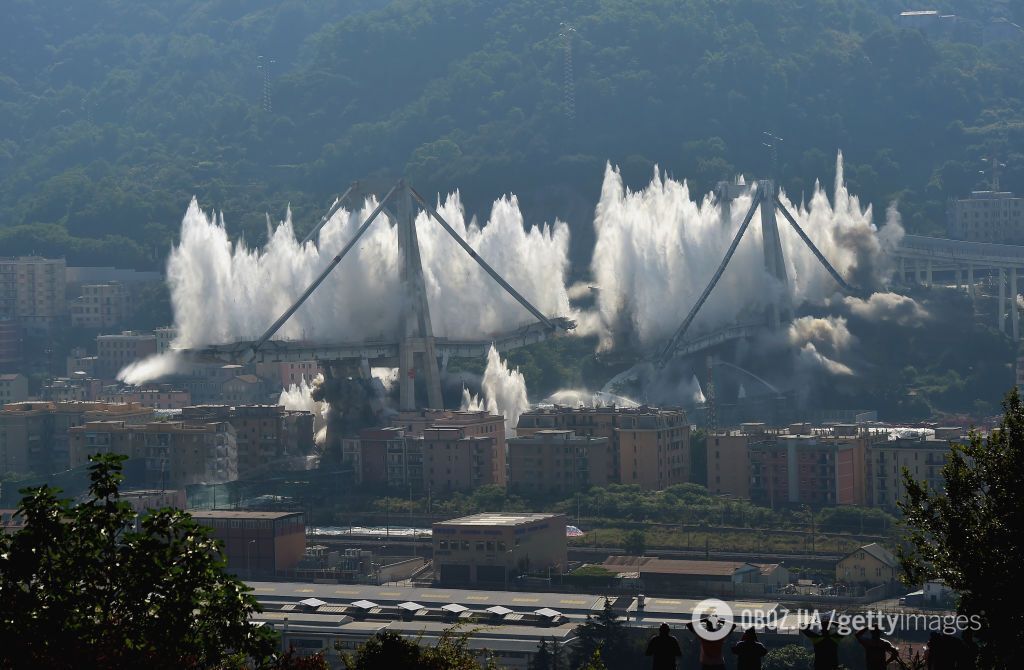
[654, 565]
[497, 519]
[239, 514]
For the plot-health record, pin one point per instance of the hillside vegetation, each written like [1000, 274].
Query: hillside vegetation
[113, 113]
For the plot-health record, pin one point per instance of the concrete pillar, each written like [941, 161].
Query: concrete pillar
[971, 288]
[1014, 312]
[779, 308]
[929, 273]
[918, 272]
[417, 353]
[1002, 300]
[959, 284]
[903, 270]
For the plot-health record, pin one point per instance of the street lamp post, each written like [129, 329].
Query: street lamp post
[248, 558]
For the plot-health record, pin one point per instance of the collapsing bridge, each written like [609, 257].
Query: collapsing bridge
[779, 310]
[415, 350]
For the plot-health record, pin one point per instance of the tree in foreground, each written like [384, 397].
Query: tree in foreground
[80, 587]
[594, 662]
[542, 660]
[607, 634]
[970, 535]
[390, 650]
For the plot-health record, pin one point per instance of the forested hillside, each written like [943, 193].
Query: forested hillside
[114, 112]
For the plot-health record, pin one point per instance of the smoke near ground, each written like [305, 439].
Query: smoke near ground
[502, 391]
[152, 367]
[299, 397]
[658, 247]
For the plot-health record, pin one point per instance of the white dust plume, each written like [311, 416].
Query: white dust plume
[585, 398]
[224, 291]
[502, 391]
[152, 367]
[657, 248]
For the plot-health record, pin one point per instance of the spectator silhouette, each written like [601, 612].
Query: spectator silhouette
[944, 652]
[711, 655]
[663, 649]
[969, 655]
[878, 652]
[826, 645]
[749, 651]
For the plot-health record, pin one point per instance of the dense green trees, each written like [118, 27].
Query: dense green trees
[112, 114]
[81, 588]
[969, 535]
[391, 650]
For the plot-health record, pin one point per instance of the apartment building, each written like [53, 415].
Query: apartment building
[922, 456]
[165, 335]
[286, 373]
[102, 306]
[268, 436]
[13, 388]
[116, 352]
[176, 453]
[425, 450]
[32, 291]
[455, 461]
[650, 446]
[10, 345]
[163, 396]
[988, 216]
[819, 469]
[34, 434]
[551, 462]
[728, 459]
[472, 424]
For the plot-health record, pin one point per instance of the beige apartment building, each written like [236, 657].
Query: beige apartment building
[13, 388]
[176, 453]
[988, 216]
[472, 424]
[32, 291]
[10, 345]
[115, 352]
[107, 305]
[922, 456]
[650, 447]
[455, 461]
[492, 548]
[34, 434]
[268, 436]
[430, 450]
[553, 462]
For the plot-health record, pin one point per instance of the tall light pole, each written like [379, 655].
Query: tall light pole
[248, 558]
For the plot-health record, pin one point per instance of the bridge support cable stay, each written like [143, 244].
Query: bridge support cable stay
[323, 275]
[481, 262]
[335, 206]
[810, 245]
[666, 353]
